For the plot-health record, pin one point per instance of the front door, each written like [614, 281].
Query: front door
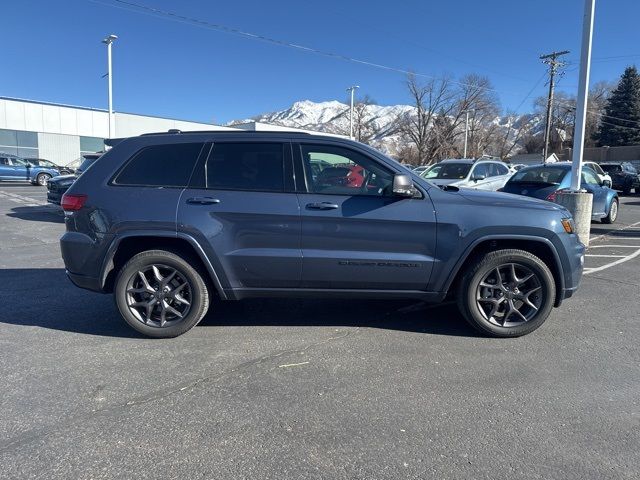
[355, 233]
[591, 183]
[242, 209]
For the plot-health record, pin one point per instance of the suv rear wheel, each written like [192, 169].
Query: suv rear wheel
[42, 179]
[160, 294]
[507, 293]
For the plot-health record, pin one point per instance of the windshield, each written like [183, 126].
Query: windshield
[431, 172]
[452, 171]
[595, 167]
[611, 168]
[548, 175]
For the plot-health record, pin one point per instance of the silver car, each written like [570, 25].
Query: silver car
[480, 174]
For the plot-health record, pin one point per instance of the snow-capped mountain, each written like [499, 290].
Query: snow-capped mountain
[381, 121]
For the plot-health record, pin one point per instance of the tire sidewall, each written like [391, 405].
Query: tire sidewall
[44, 176]
[548, 289]
[198, 289]
[609, 218]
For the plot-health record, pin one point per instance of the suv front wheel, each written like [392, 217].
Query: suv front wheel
[507, 293]
[160, 294]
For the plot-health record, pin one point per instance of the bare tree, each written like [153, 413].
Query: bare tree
[430, 99]
[364, 129]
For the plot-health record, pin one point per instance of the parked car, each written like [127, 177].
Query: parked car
[604, 177]
[17, 169]
[167, 222]
[41, 162]
[57, 186]
[517, 166]
[624, 176]
[420, 169]
[547, 180]
[481, 174]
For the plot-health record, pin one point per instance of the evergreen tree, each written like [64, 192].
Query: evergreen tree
[621, 125]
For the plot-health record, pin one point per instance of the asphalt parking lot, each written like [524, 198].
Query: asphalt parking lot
[313, 389]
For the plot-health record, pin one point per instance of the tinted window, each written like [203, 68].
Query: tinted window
[161, 166]
[481, 170]
[611, 168]
[456, 171]
[340, 171]
[246, 166]
[550, 175]
[499, 169]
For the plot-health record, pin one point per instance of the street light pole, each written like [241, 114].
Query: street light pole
[583, 92]
[466, 130]
[352, 90]
[108, 41]
[580, 202]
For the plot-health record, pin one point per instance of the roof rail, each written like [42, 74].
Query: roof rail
[225, 132]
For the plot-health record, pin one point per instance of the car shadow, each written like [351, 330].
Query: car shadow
[40, 213]
[615, 232]
[45, 298]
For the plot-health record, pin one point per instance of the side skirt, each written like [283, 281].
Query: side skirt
[242, 293]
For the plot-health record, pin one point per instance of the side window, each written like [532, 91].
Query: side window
[246, 166]
[340, 171]
[500, 169]
[481, 169]
[160, 166]
[4, 161]
[589, 177]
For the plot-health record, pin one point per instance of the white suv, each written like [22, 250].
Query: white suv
[480, 174]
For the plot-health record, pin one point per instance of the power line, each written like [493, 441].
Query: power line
[157, 12]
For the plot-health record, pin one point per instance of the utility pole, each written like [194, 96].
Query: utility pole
[352, 90]
[466, 130]
[550, 59]
[108, 41]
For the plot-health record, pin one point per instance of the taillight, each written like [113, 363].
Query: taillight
[552, 196]
[72, 203]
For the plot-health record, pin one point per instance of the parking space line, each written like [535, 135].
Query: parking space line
[598, 237]
[613, 246]
[604, 256]
[612, 264]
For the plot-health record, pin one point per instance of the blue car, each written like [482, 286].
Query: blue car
[14, 168]
[545, 181]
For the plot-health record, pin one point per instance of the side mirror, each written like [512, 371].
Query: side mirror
[403, 185]
[477, 178]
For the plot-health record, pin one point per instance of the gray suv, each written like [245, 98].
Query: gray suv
[169, 222]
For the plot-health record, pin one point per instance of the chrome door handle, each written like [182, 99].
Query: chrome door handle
[322, 206]
[203, 201]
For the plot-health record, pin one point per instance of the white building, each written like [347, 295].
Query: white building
[61, 133]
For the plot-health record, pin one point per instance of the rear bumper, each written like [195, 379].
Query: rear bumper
[82, 281]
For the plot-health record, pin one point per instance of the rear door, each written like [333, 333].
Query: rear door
[355, 233]
[241, 207]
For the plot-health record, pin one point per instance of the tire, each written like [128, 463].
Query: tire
[484, 314]
[613, 212]
[150, 309]
[42, 178]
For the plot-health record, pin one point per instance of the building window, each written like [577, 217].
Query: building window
[91, 144]
[18, 142]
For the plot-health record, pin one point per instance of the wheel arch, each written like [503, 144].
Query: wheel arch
[539, 246]
[129, 244]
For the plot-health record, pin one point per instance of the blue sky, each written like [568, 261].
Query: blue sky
[51, 50]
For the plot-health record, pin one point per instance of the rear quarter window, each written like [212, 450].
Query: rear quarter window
[160, 166]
